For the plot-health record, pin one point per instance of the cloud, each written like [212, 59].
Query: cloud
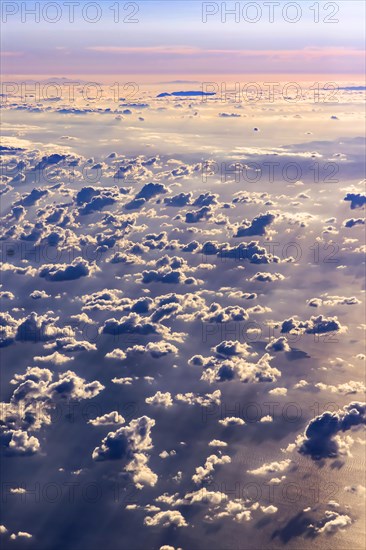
[269, 509]
[331, 523]
[108, 419]
[357, 200]
[38, 294]
[63, 272]
[133, 438]
[70, 344]
[37, 391]
[346, 388]
[251, 251]
[33, 328]
[19, 443]
[55, 358]
[202, 472]
[229, 348]
[278, 391]
[221, 368]
[256, 227]
[315, 325]
[21, 535]
[267, 418]
[130, 445]
[232, 421]
[278, 344]
[265, 277]
[217, 443]
[358, 490]
[160, 399]
[229, 115]
[182, 199]
[195, 216]
[333, 301]
[155, 349]
[116, 354]
[151, 190]
[215, 313]
[352, 222]
[320, 437]
[136, 324]
[271, 468]
[166, 519]
[206, 400]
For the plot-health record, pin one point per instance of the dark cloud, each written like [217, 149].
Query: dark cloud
[320, 440]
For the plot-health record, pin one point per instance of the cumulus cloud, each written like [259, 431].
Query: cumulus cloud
[154, 349]
[33, 328]
[130, 444]
[251, 251]
[271, 468]
[206, 400]
[315, 325]
[108, 419]
[265, 277]
[256, 227]
[21, 535]
[320, 437]
[116, 354]
[68, 272]
[19, 443]
[357, 200]
[182, 199]
[217, 443]
[353, 222]
[56, 358]
[166, 519]
[346, 388]
[229, 364]
[331, 523]
[358, 490]
[278, 344]
[160, 399]
[278, 391]
[203, 472]
[37, 391]
[136, 324]
[333, 301]
[232, 421]
[267, 418]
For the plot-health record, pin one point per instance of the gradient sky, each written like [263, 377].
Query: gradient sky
[170, 38]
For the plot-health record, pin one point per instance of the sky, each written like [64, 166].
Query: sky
[182, 299]
[172, 38]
